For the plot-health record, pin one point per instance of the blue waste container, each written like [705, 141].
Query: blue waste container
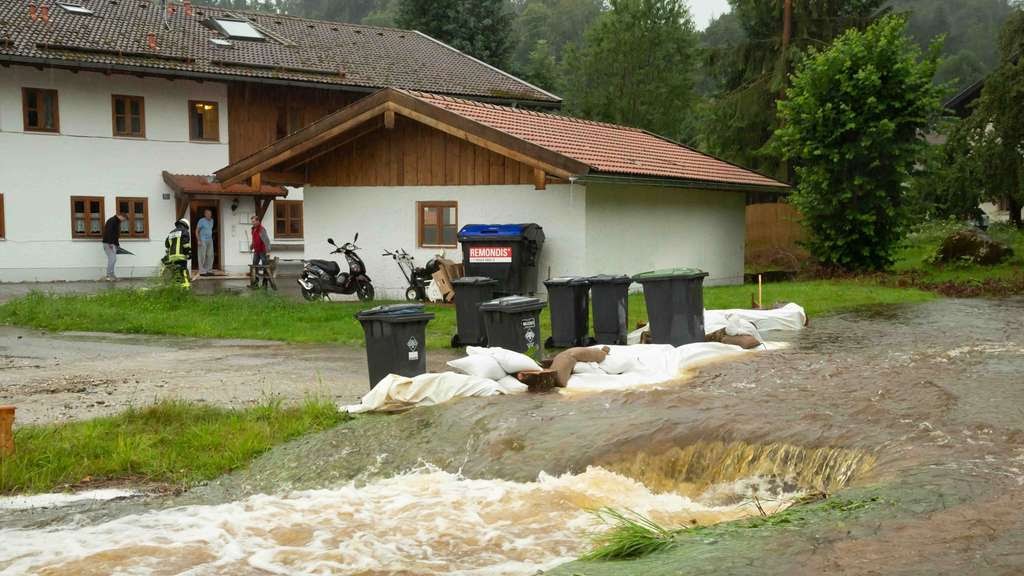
[509, 253]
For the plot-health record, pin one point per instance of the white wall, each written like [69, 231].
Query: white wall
[386, 219]
[633, 229]
[40, 172]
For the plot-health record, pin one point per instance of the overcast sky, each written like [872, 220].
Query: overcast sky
[704, 10]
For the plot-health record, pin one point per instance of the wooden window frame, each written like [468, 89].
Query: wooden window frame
[127, 116]
[191, 133]
[287, 204]
[3, 232]
[421, 208]
[144, 235]
[25, 110]
[87, 235]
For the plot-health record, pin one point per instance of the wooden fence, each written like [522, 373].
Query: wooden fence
[773, 236]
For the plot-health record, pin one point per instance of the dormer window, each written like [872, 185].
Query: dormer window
[75, 9]
[238, 29]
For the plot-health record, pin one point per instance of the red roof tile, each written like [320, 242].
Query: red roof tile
[607, 148]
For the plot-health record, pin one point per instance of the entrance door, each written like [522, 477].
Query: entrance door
[196, 209]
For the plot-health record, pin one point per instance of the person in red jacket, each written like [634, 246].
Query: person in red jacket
[260, 245]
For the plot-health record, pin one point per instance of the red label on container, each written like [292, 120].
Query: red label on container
[490, 254]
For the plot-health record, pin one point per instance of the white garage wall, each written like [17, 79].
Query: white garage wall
[633, 229]
[385, 218]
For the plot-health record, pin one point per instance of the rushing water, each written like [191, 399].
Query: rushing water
[423, 522]
[925, 400]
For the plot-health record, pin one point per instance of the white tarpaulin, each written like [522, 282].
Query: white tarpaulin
[625, 367]
[739, 322]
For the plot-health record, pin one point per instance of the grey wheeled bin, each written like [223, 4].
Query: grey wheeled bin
[395, 340]
[513, 323]
[610, 297]
[569, 299]
[470, 293]
[675, 304]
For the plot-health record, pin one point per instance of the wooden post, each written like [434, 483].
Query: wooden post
[257, 181]
[6, 430]
[540, 179]
[389, 119]
[760, 301]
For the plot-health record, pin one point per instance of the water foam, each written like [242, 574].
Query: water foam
[424, 522]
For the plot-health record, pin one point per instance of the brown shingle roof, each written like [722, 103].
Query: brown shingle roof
[560, 145]
[607, 148]
[297, 49]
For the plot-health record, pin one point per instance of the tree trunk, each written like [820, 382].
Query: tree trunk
[1015, 207]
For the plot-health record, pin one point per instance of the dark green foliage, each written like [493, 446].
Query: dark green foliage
[541, 68]
[752, 74]
[559, 23]
[970, 29]
[636, 67]
[481, 28]
[852, 124]
[983, 158]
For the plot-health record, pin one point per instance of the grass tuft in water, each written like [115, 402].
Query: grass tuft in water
[632, 535]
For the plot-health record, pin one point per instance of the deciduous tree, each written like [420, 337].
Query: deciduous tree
[852, 125]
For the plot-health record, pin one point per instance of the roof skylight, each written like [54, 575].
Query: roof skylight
[75, 9]
[238, 29]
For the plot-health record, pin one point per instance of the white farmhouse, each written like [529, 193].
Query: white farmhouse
[327, 129]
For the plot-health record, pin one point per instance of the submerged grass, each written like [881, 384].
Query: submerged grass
[632, 535]
[261, 316]
[173, 443]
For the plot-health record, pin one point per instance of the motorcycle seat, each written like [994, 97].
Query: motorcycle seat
[327, 266]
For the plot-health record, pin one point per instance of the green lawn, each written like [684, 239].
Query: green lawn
[917, 249]
[173, 443]
[270, 317]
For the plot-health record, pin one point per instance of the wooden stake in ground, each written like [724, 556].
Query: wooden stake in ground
[6, 430]
[760, 300]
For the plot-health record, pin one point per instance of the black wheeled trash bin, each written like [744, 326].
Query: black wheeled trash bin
[513, 323]
[675, 304]
[395, 340]
[610, 297]
[569, 298]
[509, 253]
[470, 293]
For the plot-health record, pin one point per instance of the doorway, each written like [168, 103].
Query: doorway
[196, 209]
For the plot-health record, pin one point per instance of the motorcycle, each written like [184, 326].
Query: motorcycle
[323, 277]
[417, 278]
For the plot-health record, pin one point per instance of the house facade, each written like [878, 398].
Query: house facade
[409, 169]
[162, 110]
[108, 106]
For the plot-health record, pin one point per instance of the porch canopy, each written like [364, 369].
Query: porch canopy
[551, 146]
[188, 187]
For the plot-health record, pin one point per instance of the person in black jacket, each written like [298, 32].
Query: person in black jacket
[111, 234]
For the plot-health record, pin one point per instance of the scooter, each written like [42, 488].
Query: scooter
[417, 278]
[323, 277]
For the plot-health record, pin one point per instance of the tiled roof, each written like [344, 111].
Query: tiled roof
[607, 148]
[297, 49]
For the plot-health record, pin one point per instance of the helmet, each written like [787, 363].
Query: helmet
[183, 222]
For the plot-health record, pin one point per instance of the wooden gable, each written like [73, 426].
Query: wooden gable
[414, 154]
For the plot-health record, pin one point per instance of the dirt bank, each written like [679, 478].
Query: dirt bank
[57, 377]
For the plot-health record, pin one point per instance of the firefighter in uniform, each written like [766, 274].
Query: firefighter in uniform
[179, 251]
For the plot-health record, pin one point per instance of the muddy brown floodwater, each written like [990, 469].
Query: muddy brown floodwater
[911, 418]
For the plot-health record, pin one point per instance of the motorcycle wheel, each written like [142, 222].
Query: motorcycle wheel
[365, 292]
[412, 294]
[311, 295]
